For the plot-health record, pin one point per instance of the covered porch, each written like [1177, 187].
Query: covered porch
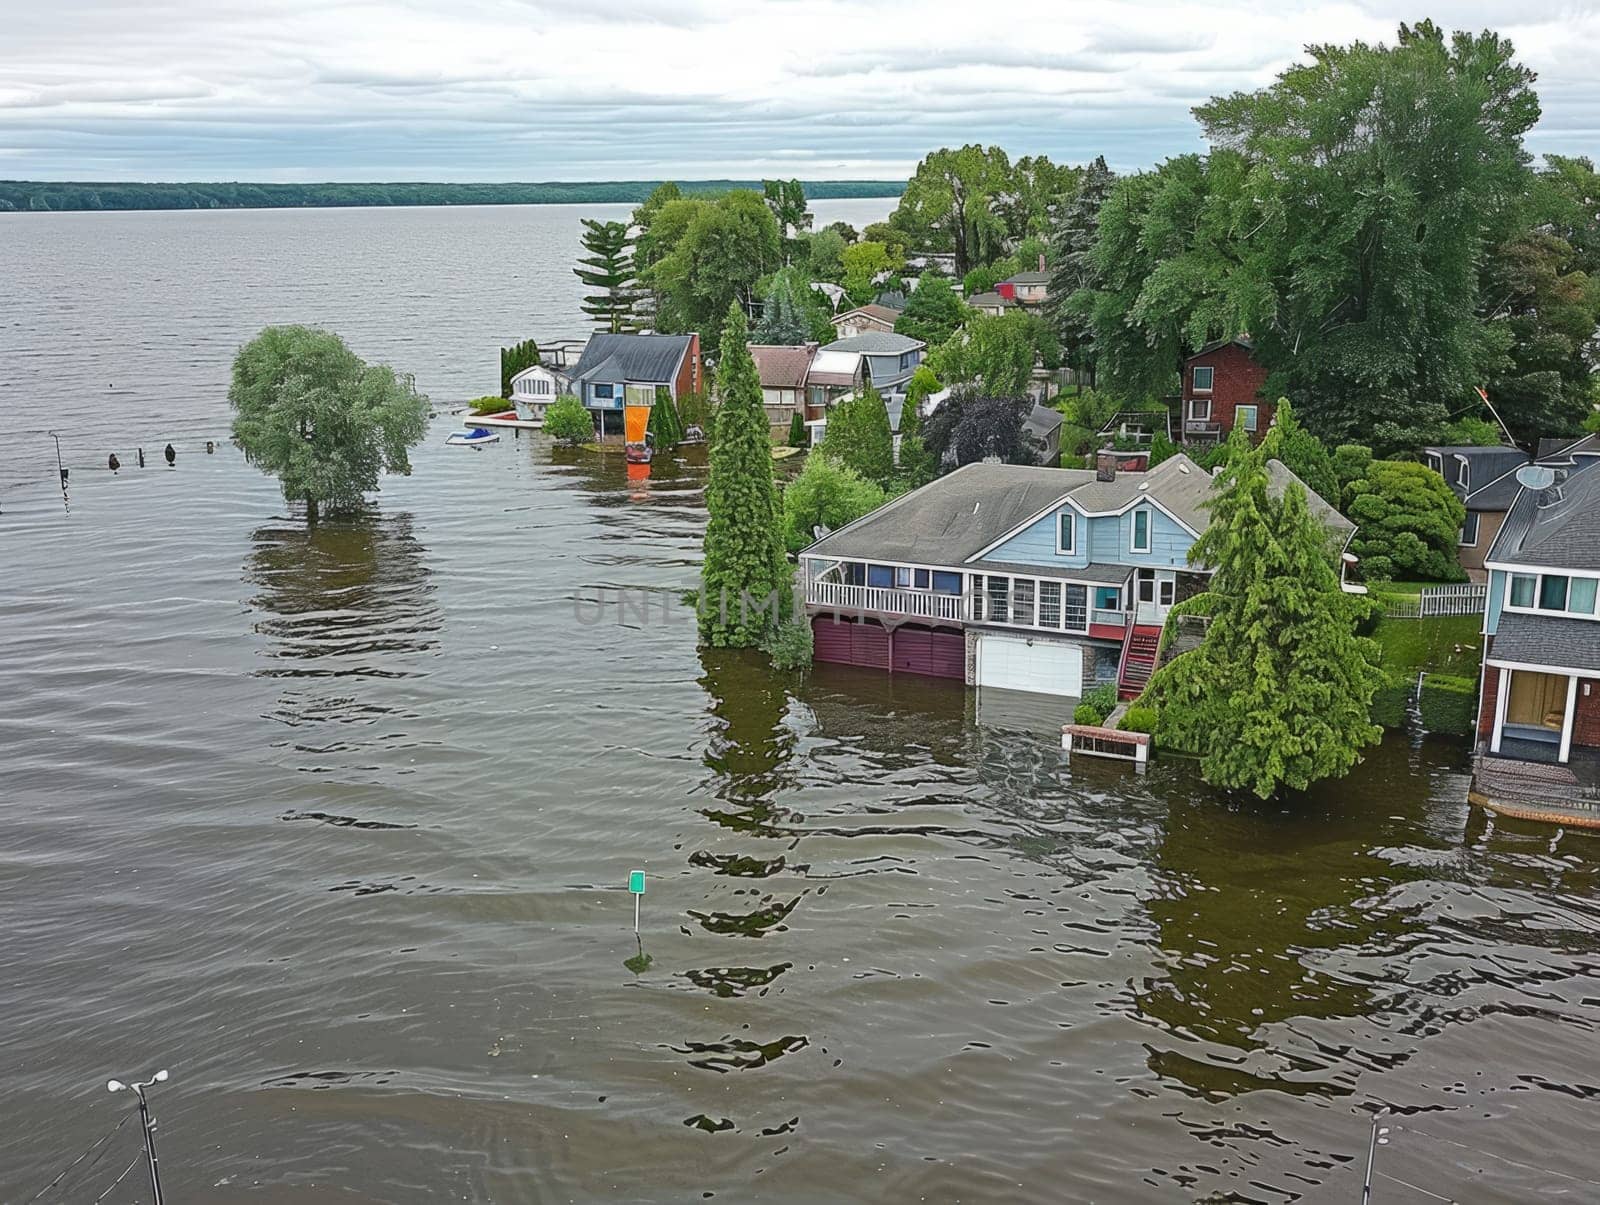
[1542, 714]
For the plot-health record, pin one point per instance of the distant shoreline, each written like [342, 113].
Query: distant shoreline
[50, 196]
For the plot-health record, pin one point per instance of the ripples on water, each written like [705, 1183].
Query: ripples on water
[335, 823]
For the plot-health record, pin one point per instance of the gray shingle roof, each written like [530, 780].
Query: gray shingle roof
[643, 359]
[957, 516]
[953, 517]
[1547, 640]
[877, 343]
[1562, 533]
[1042, 420]
[1028, 278]
[990, 299]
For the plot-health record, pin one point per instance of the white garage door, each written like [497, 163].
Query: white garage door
[1042, 666]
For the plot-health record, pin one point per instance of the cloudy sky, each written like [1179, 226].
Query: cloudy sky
[639, 89]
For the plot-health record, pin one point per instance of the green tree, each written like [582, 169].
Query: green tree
[513, 360]
[787, 201]
[1073, 276]
[827, 494]
[783, 318]
[1279, 692]
[947, 204]
[858, 436]
[666, 425]
[744, 581]
[825, 251]
[933, 312]
[724, 248]
[650, 245]
[568, 420]
[863, 262]
[797, 430]
[916, 464]
[608, 268]
[1351, 462]
[1377, 176]
[995, 352]
[1302, 453]
[1408, 520]
[323, 421]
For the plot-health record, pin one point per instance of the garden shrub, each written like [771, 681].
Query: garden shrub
[797, 430]
[789, 645]
[569, 420]
[1096, 704]
[487, 405]
[1089, 714]
[1139, 719]
[1448, 704]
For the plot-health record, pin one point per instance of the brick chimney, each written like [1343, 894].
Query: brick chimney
[1105, 465]
[1041, 261]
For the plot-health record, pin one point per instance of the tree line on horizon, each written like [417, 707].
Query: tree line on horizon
[47, 195]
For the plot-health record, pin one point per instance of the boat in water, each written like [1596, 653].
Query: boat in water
[472, 437]
[638, 453]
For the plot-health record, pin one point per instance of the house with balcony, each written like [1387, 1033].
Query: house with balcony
[888, 359]
[1221, 390]
[618, 370]
[1005, 576]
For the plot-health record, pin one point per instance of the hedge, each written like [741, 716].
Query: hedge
[1139, 719]
[1097, 704]
[1448, 704]
[1391, 700]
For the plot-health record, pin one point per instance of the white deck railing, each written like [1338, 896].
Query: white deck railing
[1113, 618]
[924, 604]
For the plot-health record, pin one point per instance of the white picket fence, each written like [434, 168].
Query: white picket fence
[1467, 598]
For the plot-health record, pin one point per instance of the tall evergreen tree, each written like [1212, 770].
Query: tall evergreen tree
[1279, 692]
[1302, 453]
[608, 268]
[1073, 276]
[744, 582]
[782, 320]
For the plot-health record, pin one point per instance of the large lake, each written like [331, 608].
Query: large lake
[336, 826]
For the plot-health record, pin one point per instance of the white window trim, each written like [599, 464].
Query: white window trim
[1476, 531]
[1072, 529]
[1255, 416]
[1194, 378]
[980, 599]
[1195, 405]
[1133, 530]
[1463, 471]
[1538, 592]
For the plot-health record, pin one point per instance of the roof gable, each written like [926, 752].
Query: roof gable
[651, 359]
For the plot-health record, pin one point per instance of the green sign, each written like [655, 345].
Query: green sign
[636, 882]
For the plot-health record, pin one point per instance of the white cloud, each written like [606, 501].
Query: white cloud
[550, 89]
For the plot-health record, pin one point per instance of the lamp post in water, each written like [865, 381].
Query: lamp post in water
[160, 1077]
[60, 468]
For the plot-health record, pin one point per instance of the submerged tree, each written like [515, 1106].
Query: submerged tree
[608, 268]
[744, 582]
[310, 411]
[1279, 692]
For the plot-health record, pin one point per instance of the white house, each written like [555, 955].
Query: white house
[532, 391]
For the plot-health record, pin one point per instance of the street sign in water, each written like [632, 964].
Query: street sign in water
[636, 882]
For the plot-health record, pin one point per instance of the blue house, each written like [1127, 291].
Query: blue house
[1540, 700]
[1038, 579]
[890, 358]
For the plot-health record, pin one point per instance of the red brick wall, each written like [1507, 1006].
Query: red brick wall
[1236, 381]
[1486, 706]
[690, 379]
[1586, 716]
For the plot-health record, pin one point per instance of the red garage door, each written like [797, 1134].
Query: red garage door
[853, 642]
[923, 651]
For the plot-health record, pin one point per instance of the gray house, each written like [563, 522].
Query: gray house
[628, 369]
[890, 358]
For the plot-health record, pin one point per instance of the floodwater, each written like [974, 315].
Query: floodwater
[336, 825]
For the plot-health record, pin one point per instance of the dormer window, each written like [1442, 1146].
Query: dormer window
[1463, 471]
[1203, 375]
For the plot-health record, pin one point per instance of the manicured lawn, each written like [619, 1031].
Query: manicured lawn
[1448, 644]
[1411, 588]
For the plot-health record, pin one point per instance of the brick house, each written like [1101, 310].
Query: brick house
[1222, 385]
